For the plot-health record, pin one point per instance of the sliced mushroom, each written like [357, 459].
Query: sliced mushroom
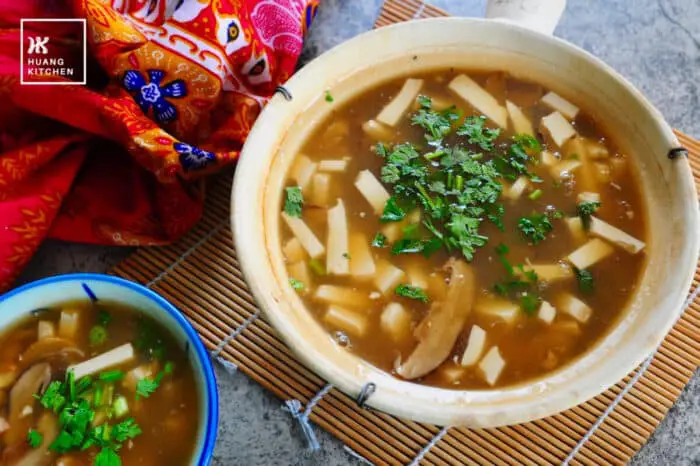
[51, 348]
[438, 331]
[41, 456]
[33, 380]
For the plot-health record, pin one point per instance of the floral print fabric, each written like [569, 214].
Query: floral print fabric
[173, 89]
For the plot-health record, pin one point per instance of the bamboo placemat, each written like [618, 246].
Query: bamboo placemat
[200, 275]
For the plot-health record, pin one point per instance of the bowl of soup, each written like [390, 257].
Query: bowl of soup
[485, 223]
[98, 370]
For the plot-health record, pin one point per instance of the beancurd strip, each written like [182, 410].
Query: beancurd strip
[361, 261]
[594, 251]
[333, 165]
[338, 257]
[615, 236]
[475, 346]
[305, 236]
[480, 99]
[334, 294]
[378, 131]
[517, 189]
[303, 170]
[347, 320]
[395, 110]
[558, 128]
[551, 272]
[320, 189]
[521, 123]
[372, 190]
[560, 104]
[119, 355]
[576, 229]
[573, 306]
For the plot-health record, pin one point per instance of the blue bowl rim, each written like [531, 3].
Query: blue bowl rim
[202, 354]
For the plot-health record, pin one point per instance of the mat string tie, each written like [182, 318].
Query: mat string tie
[357, 456]
[367, 391]
[294, 407]
[424, 451]
[620, 396]
[237, 331]
[419, 11]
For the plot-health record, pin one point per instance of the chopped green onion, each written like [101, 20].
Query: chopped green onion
[112, 376]
[536, 194]
[120, 406]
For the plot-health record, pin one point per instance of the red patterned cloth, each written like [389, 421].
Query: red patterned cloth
[173, 87]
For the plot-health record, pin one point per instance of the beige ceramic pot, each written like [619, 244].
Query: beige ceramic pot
[406, 48]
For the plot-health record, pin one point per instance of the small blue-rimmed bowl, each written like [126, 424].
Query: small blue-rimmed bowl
[48, 292]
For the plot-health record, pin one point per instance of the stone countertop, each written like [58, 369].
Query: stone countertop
[654, 43]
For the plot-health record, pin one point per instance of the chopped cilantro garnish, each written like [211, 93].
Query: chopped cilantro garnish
[294, 201]
[296, 284]
[379, 241]
[585, 280]
[98, 335]
[535, 227]
[407, 246]
[34, 438]
[529, 304]
[317, 267]
[146, 386]
[329, 96]
[411, 292]
[392, 211]
[107, 457]
[585, 210]
[473, 128]
[346, 255]
[502, 250]
[125, 430]
[437, 125]
[529, 143]
[53, 398]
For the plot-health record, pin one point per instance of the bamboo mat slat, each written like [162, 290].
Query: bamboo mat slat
[201, 276]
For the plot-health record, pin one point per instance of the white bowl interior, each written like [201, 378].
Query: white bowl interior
[16, 307]
[469, 44]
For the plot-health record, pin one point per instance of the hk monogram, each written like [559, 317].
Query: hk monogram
[38, 45]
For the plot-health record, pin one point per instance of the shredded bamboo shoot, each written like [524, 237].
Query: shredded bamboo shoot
[338, 255]
[305, 236]
[396, 109]
[372, 190]
[480, 99]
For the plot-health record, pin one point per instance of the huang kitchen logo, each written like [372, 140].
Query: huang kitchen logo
[38, 45]
[45, 59]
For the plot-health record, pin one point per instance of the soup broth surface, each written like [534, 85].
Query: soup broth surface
[555, 271]
[153, 393]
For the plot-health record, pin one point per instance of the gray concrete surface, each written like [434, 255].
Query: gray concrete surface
[654, 43]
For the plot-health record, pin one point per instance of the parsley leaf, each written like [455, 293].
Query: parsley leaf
[296, 284]
[585, 210]
[379, 240]
[436, 124]
[535, 227]
[411, 292]
[294, 201]
[125, 430]
[473, 128]
[98, 335]
[329, 97]
[107, 457]
[145, 387]
[34, 438]
[392, 211]
[529, 304]
[585, 280]
[53, 398]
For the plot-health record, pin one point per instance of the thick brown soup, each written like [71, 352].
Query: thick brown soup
[463, 230]
[84, 384]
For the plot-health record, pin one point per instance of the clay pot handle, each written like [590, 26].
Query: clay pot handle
[538, 15]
